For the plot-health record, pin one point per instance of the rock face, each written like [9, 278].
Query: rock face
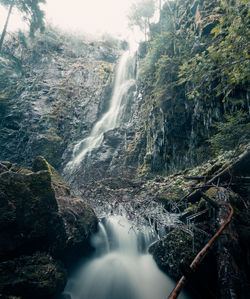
[38, 214]
[172, 130]
[79, 220]
[63, 87]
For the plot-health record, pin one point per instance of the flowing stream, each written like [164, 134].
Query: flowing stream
[121, 267]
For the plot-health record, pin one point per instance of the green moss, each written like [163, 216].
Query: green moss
[40, 163]
[212, 192]
[202, 205]
[36, 276]
[173, 248]
[24, 171]
[192, 208]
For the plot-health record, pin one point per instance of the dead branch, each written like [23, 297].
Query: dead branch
[240, 166]
[175, 293]
[197, 178]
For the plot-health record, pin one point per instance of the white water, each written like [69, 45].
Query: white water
[124, 79]
[121, 268]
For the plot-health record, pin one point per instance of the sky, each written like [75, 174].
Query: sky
[90, 16]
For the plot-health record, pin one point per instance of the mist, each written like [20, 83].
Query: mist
[83, 16]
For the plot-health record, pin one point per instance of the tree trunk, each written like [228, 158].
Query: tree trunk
[160, 22]
[6, 25]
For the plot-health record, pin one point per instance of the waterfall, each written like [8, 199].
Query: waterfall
[121, 267]
[124, 79]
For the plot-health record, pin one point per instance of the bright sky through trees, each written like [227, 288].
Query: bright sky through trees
[90, 16]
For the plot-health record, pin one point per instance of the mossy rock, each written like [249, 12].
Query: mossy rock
[173, 194]
[58, 183]
[29, 214]
[36, 276]
[79, 219]
[174, 248]
[212, 192]
[80, 224]
[39, 213]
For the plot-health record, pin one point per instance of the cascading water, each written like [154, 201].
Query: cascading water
[124, 79]
[121, 268]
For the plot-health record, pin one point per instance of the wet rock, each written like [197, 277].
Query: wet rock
[29, 217]
[36, 276]
[39, 213]
[113, 138]
[80, 224]
[58, 100]
[59, 185]
[79, 220]
[175, 247]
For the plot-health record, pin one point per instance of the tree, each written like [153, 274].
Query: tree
[223, 66]
[32, 13]
[141, 13]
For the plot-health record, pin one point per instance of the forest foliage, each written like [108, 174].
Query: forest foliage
[213, 67]
[225, 63]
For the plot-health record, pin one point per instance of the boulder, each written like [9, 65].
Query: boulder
[173, 249]
[29, 216]
[79, 220]
[39, 214]
[36, 276]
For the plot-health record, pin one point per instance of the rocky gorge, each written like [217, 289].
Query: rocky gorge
[157, 162]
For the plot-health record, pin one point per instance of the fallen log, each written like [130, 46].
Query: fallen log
[239, 168]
